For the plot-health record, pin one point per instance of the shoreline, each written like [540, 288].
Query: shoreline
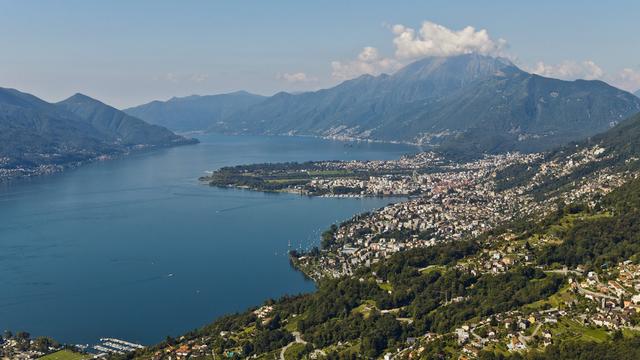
[54, 169]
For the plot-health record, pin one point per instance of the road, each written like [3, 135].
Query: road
[596, 294]
[525, 339]
[564, 271]
[298, 340]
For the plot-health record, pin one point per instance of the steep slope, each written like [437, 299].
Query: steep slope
[38, 137]
[637, 93]
[118, 126]
[193, 113]
[33, 132]
[622, 141]
[478, 102]
[610, 157]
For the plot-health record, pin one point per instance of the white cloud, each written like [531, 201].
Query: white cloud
[368, 61]
[296, 78]
[436, 40]
[569, 70]
[627, 79]
[431, 40]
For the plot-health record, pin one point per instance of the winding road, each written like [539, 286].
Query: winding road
[298, 340]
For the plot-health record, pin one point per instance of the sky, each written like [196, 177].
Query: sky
[126, 52]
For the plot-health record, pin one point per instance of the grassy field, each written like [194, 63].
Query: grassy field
[567, 329]
[294, 351]
[286, 181]
[386, 286]
[433, 268]
[366, 308]
[65, 355]
[557, 300]
[330, 172]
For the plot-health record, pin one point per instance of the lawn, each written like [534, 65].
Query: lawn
[557, 300]
[65, 355]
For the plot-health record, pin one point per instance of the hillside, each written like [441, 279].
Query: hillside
[37, 137]
[547, 276]
[116, 125]
[194, 113]
[473, 102]
[522, 290]
[616, 151]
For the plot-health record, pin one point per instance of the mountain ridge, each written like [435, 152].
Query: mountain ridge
[194, 112]
[38, 137]
[123, 128]
[471, 99]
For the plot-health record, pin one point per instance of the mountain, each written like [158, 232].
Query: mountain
[637, 93]
[605, 155]
[36, 135]
[194, 112]
[116, 125]
[471, 101]
[31, 130]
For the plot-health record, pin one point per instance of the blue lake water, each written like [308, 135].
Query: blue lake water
[136, 248]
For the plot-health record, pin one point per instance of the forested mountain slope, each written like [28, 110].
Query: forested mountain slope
[195, 112]
[37, 137]
[467, 103]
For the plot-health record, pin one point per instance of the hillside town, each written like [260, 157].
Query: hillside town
[459, 200]
[589, 308]
[457, 203]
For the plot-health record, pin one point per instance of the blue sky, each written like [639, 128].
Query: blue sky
[128, 52]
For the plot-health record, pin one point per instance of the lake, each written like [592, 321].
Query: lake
[138, 249]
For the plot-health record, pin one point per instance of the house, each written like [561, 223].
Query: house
[183, 351]
[463, 336]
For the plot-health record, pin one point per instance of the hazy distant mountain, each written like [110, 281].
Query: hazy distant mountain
[34, 132]
[470, 101]
[194, 112]
[637, 93]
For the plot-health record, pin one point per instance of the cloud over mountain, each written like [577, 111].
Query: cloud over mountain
[436, 40]
[626, 79]
[368, 61]
[430, 40]
[569, 70]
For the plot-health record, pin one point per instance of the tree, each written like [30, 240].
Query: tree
[23, 335]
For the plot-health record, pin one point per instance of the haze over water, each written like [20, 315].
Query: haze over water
[138, 249]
